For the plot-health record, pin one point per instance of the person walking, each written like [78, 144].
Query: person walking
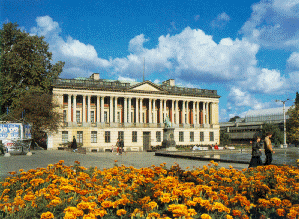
[256, 151]
[268, 149]
[121, 144]
[74, 144]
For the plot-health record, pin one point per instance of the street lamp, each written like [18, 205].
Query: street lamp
[284, 123]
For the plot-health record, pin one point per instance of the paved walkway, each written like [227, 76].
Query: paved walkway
[100, 160]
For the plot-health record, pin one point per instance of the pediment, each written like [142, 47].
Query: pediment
[146, 86]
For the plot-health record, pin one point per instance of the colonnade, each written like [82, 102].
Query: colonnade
[133, 111]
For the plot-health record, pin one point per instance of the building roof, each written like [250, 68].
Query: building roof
[264, 112]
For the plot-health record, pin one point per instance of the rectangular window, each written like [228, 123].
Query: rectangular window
[181, 136]
[158, 136]
[65, 137]
[78, 116]
[92, 116]
[121, 135]
[118, 117]
[105, 116]
[93, 136]
[64, 115]
[211, 136]
[191, 136]
[134, 136]
[107, 136]
[202, 136]
[80, 136]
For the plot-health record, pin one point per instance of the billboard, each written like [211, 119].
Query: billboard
[10, 131]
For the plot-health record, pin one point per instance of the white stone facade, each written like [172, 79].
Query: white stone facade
[97, 112]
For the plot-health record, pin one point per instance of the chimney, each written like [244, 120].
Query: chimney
[95, 76]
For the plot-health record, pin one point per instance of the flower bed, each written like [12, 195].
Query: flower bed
[60, 191]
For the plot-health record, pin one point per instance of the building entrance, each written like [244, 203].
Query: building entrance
[146, 141]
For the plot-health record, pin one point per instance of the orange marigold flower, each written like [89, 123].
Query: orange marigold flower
[29, 197]
[280, 212]
[205, 216]
[47, 215]
[107, 204]
[228, 216]
[236, 213]
[121, 212]
[286, 203]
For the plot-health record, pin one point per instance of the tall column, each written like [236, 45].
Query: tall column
[111, 110]
[140, 110]
[177, 117]
[183, 112]
[84, 109]
[193, 112]
[211, 112]
[129, 114]
[69, 108]
[88, 108]
[187, 109]
[149, 110]
[154, 111]
[115, 110]
[102, 109]
[197, 112]
[98, 108]
[137, 110]
[75, 109]
[164, 111]
[160, 111]
[125, 110]
[207, 113]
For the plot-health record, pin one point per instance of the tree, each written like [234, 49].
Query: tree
[277, 134]
[26, 77]
[293, 122]
[224, 138]
[234, 119]
[25, 65]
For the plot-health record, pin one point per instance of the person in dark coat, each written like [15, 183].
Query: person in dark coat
[121, 144]
[74, 144]
[256, 151]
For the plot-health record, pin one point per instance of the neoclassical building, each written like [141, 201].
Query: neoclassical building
[98, 111]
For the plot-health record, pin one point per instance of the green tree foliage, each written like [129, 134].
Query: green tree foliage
[293, 122]
[25, 64]
[224, 138]
[277, 134]
[234, 119]
[26, 77]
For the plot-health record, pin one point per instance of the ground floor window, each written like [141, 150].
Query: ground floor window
[134, 136]
[211, 136]
[201, 136]
[80, 136]
[158, 136]
[121, 135]
[65, 136]
[93, 136]
[107, 136]
[181, 136]
[191, 136]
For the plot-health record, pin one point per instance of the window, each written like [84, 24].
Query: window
[118, 117]
[134, 136]
[143, 117]
[181, 136]
[107, 136]
[80, 136]
[132, 118]
[65, 136]
[211, 136]
[78, 116]
[191, 136]
[201, 136]
[64, 115]
[121, 135]
[93, 136]
[158, 136]
[92, 116]
[105, 116]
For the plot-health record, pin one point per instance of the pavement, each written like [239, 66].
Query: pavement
[42, 158]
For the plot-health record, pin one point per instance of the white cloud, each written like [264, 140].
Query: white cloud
[221, 20]
[136, 44]
[274, 23]
[127, 79]
[293, 60]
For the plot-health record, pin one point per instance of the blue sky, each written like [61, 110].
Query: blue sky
[246, 50]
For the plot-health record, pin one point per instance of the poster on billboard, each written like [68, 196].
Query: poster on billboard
[27, 132]
[10, 131]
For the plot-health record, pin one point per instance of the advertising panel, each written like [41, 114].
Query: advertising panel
[10, 131]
